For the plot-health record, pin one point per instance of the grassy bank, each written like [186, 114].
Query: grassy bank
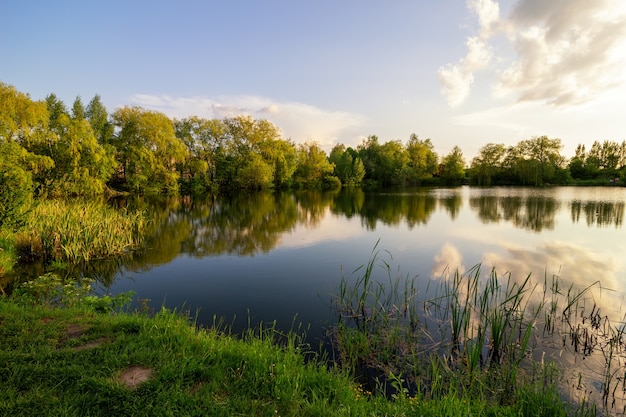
[59, 356]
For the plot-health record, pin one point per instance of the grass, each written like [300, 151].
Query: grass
[8, 254]
[77, 231]
[61, 356]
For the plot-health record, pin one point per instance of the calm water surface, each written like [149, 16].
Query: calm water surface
[267, 257]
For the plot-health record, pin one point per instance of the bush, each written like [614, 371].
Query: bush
[16, 194]
[331, 183]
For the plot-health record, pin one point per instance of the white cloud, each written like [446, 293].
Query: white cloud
[488, 12]
[457, 79]
[299, 122]
[575, 264]
[448, 261]
[565, 52]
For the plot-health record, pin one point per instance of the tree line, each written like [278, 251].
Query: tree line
[51, 150]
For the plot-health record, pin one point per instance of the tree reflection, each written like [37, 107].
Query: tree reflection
[348, 202]
[598, 213]
[452, 204]
[392, 209]
[244, 225]
[312, 205]
[534, 213]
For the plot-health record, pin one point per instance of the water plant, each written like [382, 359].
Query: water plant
[78, 231]
[479, 335]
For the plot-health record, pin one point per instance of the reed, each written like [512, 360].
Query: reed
[474, 335]
[78, 231]
[7, 252]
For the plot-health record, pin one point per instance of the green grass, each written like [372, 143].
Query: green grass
[69, 361]
[8, 253]
[76, 231]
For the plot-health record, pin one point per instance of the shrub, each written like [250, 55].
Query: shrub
[16, 194]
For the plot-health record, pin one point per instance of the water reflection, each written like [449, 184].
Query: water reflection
[598, 213]
[243, 225]
[586, 342]
[246, 225]
[452, 204]
[533, 212]
[392, 209]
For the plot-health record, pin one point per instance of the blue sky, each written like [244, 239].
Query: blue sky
[460, 73]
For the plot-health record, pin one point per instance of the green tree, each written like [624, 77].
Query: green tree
[488, 164]
[422, 159]
[384, 164]
[16, 192]
[22, 120]
[78, 109]
[98, 118]
[282, 155]
[147, 150]
[349, 167]
[577, 163]
[23, 130]
[313, 166]
[538, 161]
[369, 152]
[205, 142]
[256, 173]
[394, 161]
[81, 165]
[245, 136]
[453, 171]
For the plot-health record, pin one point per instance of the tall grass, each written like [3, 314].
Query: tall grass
[78, 231]
[478, 335]
[8, 254]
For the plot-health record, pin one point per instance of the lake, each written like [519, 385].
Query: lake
[279, 257]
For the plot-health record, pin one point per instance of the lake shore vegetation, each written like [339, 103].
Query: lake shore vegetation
[66, 352]
[478, 334]
[53, 150]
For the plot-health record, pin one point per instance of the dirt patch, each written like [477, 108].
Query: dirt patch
[91, 345]
[134, 376]
[195, 388]
[74, 331]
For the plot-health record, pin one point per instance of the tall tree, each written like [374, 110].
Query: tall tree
[78, 109]
[487, 165]
[539, 161]
[453, 165]
[245, 136]
[98, 118]
[394, 162]
[313, 166]
[22, 120]
[147, 150]
[385, 164]
[349, 167]
[205, 142]
[82, 166]
[422, 159]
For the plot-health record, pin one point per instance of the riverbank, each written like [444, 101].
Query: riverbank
[76, 361]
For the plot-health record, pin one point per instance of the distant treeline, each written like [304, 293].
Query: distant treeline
[50, 150]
